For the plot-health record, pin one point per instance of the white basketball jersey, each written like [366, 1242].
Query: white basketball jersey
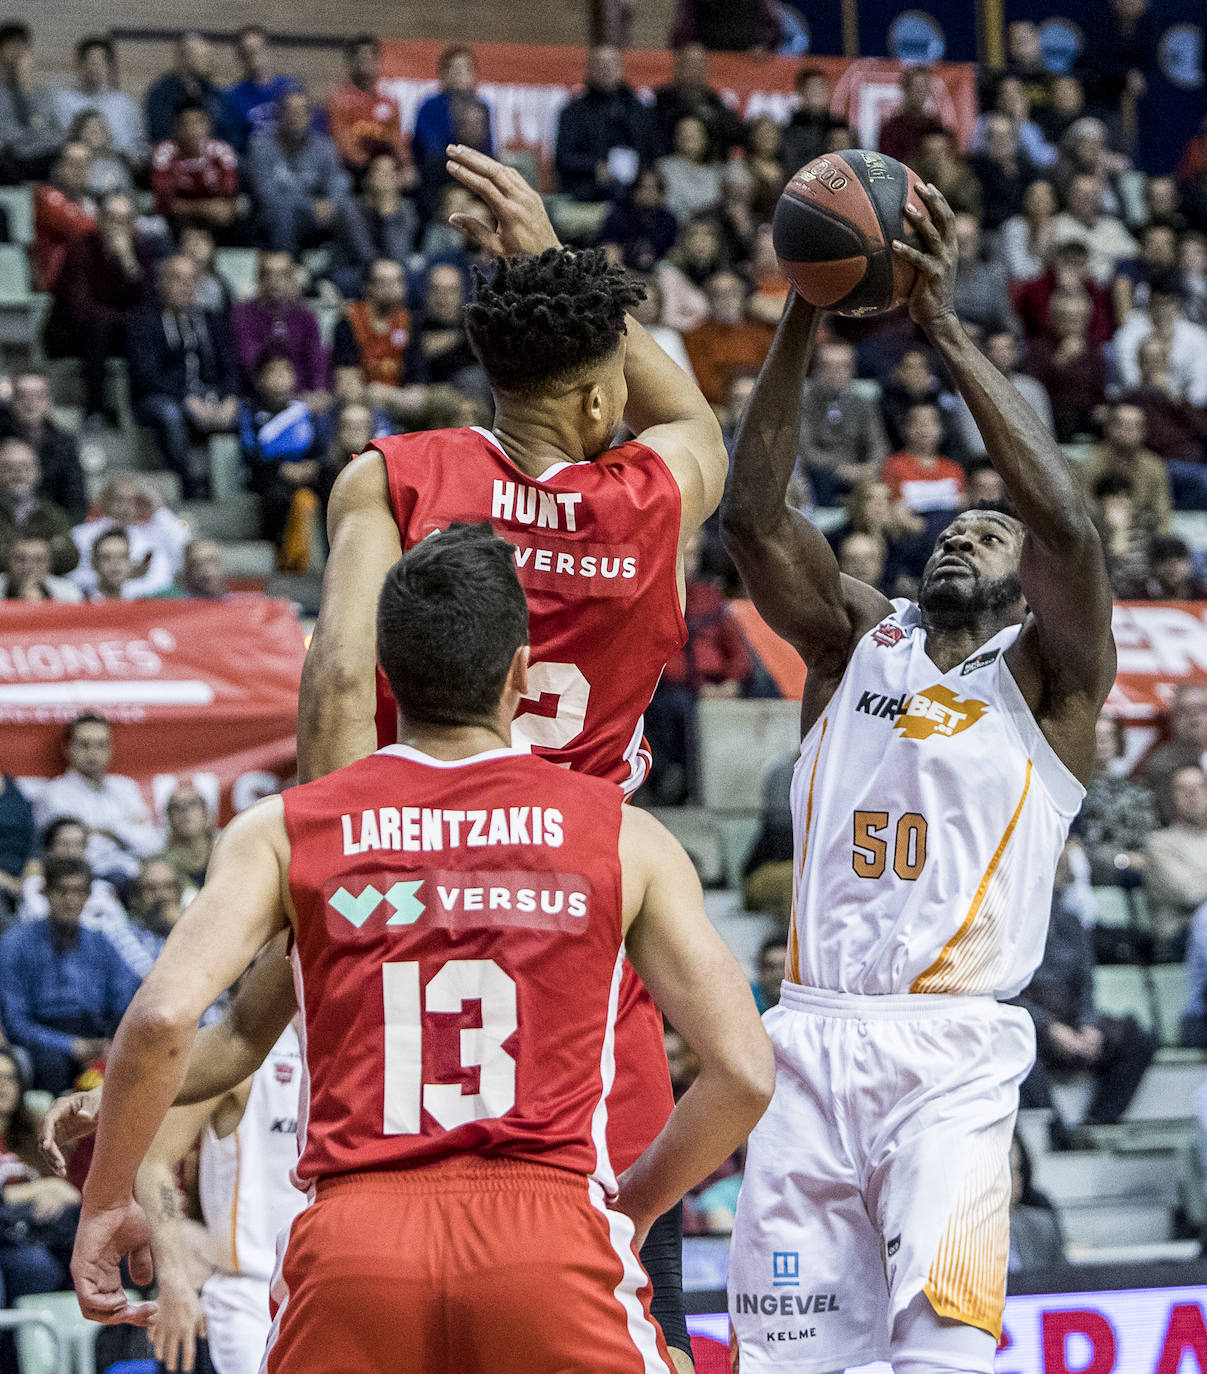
[929, 813]
[247, 1197]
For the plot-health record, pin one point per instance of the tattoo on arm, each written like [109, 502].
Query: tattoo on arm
[169, 1210]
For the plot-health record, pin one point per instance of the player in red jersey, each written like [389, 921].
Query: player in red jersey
[599, 533]
[460, 911]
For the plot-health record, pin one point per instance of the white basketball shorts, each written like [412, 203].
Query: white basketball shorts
[237, 1320]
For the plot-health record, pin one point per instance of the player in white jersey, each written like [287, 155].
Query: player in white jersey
[248, 1153]
[944, 750]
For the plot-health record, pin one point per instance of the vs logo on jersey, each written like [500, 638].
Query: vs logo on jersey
[938, 711]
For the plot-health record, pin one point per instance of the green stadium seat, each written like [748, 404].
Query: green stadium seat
[867, 387]
[1171, 989]
[1190, 525]
[18, 205]
[35, 1349]
[1113, 907]
[1120, 990]
[15, 286]
[237, 267]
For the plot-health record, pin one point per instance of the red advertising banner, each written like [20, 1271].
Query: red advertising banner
[526, 86]
[196, 690]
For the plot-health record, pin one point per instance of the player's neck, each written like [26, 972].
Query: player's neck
[451, 742]
[535, 439]
[947, 645]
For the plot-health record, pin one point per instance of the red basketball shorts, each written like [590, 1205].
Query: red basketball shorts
[473, 1264]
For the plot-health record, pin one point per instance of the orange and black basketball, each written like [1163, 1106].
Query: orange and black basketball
[833, 230]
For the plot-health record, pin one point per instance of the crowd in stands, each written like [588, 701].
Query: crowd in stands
[1083, 277]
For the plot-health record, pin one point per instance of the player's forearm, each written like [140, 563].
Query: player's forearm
[337, 703]
[1036, 473]
[710, 1121]
[769, 439]
[155, 1190]
[220, 1061]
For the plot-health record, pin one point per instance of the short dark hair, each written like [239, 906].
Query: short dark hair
[15, 31]
[52, 829]
[55, 872]
[454, 50]
[84, 718]
[191, 107]
[116, 532]
[538, 320]
[808, 74]
[1112, 484]
[452, 614]
[250, 29]
[1163, 547]
[96, 40]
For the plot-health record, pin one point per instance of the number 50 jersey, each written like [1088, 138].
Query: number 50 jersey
[458, 958]
[928, 814]
[596, 548]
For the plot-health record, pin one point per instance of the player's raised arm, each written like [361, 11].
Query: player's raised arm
[337, 699]
[666, 409]
[700, 988]
[1065, 659]
[240, 908]
[786, 563]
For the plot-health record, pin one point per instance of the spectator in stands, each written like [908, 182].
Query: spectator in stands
[1107, 241]
[691, 179]
[765, 161]
[191, 833]
[1069, 365]
[873, 509]
[1161, 202]
[1192, 267]
[1170, 575]
[1001, 348]
[1066, 104]
[938, 162]
[641, 227]
[1118, 813]
[443, 341]
[120, 829]
[1175, 868]
[374, 352]
[1194, 1018]
[982, 296]
[106, 275]
[190, 82]
[1071, 1036]
[1123, 453]
[30, 129]
[63, 987]
[364, 119]
[213, 294]
[96, 89]
[274, 319]
[67, 838]
[1013, 99]
[18, 841]
[698, 254]
[842, 439]
[281, 446]
[1177, 430]
[729, 341]
[690, 92]
[353, 431]
[863, 557]
[381, 223]
[1025, 57]
[29, 577]
[1192, 203]
[26, 515]
[603, 135]
[1186, 343]
[63, 212]
[295, 178]
[812, 121]
[1084, 151]
[736, 217]
[202, 576]
[134, 504]
[254, 102]
[1187, 743]
[454, 114]
[29, 415]
[1124, 538]
[925, 480]
[107, 170]
[1193, 159]
[155, 907]
[113, 573]
[902, 133]
[1157, 258]
[1002, 170]
[1025, 238]
[183, 371]
[195, 176]
[913, 382]
[767, 872]
[769, 971]
[1036, 1238]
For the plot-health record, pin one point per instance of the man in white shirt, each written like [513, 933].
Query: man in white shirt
[121, 831]
[96, 70]
[1104, 236]
[1185, 343]
[157, 536]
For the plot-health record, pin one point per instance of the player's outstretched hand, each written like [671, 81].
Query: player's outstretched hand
[102, 1240]
[69, 1118]
[178, 1325]
[933, 298]
[520, 224]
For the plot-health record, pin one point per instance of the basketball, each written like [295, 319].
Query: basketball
[833, 230]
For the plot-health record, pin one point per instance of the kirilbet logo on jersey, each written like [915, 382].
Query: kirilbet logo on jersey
[938, 712]
[785, 1269]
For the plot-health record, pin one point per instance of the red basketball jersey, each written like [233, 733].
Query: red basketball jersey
[596, 547]
[458, 961]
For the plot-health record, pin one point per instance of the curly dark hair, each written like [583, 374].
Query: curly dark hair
[538, 320]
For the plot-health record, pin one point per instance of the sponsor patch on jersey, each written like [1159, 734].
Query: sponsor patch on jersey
[980, 661]
[284, 1072]
[888, 635]
[938, 711]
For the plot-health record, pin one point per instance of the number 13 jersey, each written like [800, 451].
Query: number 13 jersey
[929, 813]
[596, 548]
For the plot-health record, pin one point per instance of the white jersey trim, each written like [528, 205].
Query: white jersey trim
[642, 1331]
[406, 751]
[527, 476]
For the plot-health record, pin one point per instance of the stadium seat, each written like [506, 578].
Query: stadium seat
[1120, 990]
[237, 267]
[14, 274]
[1190, 525]
[18, 204]
[1171, 990]
[36, 1352]
[868, 388]
[1113, 906]
[739, 741]
[226, 467]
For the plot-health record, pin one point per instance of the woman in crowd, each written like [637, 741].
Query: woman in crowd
[692, 180]
[190, 837]
[764, 157]
[1118, 813]
[107, 171]
[641, 226]
[1024, 239]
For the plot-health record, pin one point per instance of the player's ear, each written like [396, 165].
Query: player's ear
[595, 406]
[517, 674]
